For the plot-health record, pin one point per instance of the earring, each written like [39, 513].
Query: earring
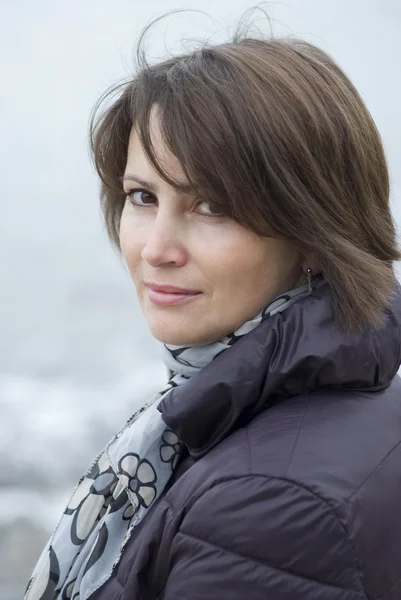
[309, 276]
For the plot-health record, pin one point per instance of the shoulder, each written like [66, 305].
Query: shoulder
[259, 536]
[310, 488]
[330, 442]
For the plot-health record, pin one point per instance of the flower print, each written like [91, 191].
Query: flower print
[139, 477]
[129, 512]
[92, 498]
[98, 548]
[69, 591]
[171, 449]
[44, 583]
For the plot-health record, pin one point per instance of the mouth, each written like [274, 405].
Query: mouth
[167, 295]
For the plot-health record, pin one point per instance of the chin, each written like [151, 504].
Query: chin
[175, 339]
[178, 336]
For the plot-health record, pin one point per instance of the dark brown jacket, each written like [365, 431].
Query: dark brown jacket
[292, 486]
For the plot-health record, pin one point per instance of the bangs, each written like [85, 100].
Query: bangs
[190, 102]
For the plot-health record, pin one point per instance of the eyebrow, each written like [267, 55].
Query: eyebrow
[184, 188]
[142, 182]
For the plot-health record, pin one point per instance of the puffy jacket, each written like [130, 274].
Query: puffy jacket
[291, 488]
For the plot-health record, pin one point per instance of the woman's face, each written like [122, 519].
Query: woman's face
[225, 274]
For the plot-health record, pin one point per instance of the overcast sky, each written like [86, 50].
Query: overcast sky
[67, 305]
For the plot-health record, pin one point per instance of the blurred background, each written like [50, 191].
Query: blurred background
[75, 355]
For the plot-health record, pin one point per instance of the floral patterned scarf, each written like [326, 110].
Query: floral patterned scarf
[125, 479]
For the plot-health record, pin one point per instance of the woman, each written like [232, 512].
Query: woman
[247, 188]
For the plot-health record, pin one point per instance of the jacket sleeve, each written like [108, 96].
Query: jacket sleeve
[262, 538]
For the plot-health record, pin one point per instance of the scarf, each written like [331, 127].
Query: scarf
[125, 479]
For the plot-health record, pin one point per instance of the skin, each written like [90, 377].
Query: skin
[171, 238]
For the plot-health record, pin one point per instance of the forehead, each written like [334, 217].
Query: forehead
[137, 158]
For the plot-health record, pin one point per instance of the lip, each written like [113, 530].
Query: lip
[169, 289]
[168, 295]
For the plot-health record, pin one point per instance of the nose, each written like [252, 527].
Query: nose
[164, 244]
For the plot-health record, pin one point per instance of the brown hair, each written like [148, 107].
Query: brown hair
[274, 134]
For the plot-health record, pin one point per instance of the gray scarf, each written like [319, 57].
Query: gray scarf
[125, 479]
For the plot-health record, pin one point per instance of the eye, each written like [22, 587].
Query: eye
[207, 209]
[140, 197]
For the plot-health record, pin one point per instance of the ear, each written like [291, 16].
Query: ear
[309, 262]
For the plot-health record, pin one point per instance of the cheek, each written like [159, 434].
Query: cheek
[239, 263]
[252, 271]
[131, 245]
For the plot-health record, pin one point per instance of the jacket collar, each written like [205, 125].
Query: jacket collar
[294, 352]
